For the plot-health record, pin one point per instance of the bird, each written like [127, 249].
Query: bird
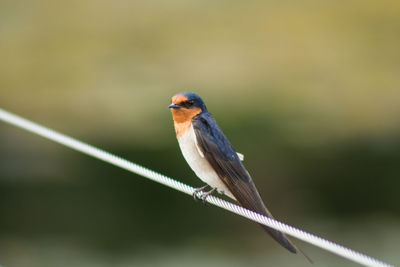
[214, 160]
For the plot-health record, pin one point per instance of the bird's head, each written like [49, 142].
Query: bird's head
[185, 106]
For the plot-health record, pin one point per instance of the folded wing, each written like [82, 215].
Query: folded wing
[222, 157]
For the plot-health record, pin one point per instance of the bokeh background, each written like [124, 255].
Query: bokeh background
[308, 91]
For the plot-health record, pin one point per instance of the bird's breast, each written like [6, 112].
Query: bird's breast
[183, 119]
[181, 128]
[197, 162]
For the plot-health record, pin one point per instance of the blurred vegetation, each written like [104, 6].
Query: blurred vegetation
[308, 91]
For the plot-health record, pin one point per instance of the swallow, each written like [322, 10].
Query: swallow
[213, 159]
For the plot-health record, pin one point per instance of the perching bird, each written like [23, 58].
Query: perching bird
[214, 160]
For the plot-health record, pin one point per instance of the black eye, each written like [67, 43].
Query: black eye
[190, 102]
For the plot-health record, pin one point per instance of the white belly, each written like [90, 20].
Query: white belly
[198, 163]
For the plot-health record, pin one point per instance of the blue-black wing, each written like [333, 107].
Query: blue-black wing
[223, 158]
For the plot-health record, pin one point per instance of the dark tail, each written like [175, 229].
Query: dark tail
[250, 199]
[280, 238]
[284, 240]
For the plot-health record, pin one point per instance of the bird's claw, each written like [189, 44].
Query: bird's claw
[197, 190]
[204, 196]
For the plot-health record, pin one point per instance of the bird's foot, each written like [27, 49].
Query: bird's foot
[197, 190]
[204, 196]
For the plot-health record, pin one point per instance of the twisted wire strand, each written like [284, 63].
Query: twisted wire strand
[100, 154]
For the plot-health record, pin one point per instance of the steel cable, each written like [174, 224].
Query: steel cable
[162, 179]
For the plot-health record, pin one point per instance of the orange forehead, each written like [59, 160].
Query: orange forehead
[176, 99]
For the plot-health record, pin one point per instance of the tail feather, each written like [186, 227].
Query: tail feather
[284, 241]
[280, 238]
[250, 199]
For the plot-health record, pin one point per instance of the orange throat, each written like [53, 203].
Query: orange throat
[183, 118]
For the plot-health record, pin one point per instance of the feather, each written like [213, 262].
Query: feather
[225, 161]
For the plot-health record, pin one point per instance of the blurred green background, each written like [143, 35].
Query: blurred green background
[308, 91]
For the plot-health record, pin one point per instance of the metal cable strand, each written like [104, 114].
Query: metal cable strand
[162, 179]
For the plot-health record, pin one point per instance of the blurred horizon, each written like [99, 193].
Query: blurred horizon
[307, 91]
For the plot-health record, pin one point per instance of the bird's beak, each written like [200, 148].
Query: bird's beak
[174, 106]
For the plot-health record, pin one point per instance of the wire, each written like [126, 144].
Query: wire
[162, 179]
